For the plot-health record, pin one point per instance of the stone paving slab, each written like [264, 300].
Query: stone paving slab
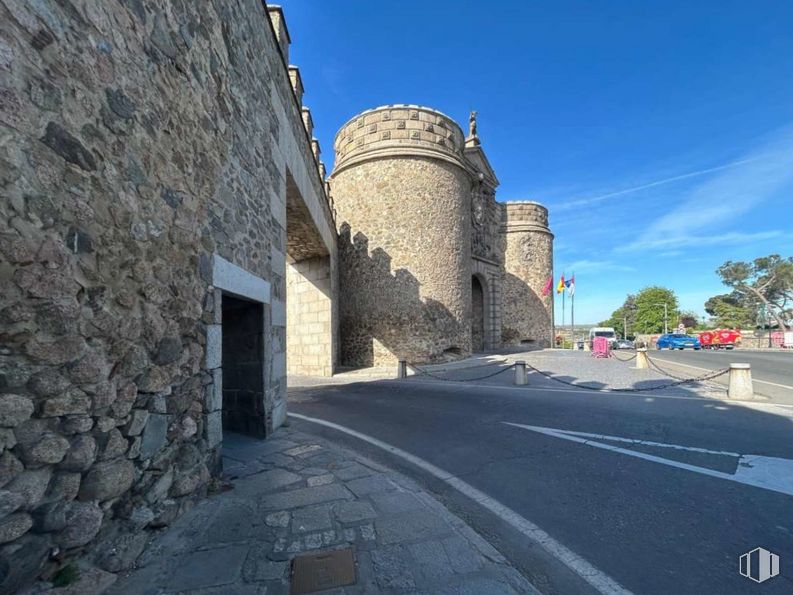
[301, 494]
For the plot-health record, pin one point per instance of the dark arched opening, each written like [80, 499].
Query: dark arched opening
[477, 315]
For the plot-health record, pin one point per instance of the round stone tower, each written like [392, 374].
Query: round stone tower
[528, 264]
[402, 192]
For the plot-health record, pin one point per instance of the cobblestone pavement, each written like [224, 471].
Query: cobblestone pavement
[585, 371]
[295, 493]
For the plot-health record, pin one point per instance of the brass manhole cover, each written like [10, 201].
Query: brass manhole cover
[322, 570]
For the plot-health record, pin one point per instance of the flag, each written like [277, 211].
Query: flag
[570, 284]
[560, 287]
[548, 285]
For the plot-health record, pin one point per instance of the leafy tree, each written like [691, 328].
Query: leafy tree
[623, 314]
[689, 319]
[768, 279]
[650, 309]
[732, 310]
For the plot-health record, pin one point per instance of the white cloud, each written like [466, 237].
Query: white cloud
[596, 199]
[716, 239]
[699, 219]
[596, 266]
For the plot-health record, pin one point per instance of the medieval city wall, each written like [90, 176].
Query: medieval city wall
[528, 264]
[144, 164]
[403, 201]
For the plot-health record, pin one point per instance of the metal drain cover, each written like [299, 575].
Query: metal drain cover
[323, 570]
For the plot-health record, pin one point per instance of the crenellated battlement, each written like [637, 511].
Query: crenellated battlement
[398, 128]
[524, 215]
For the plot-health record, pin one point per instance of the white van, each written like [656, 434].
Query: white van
[603, 331]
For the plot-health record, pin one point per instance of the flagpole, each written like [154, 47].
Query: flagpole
[572, 311]
[563, 292]
[553, 311]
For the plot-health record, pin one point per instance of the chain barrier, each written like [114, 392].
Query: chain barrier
[703, 378]
[660, 370]
[678, 380]
[631, 358]
[420, 371]
[663, 372]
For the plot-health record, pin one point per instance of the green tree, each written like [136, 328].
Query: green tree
[768, 279]
[689, 319]
[625, 313]
[650, 309]
[732, 310]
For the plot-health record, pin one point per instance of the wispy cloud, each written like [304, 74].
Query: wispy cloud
[700, 218]
[596, 199]
[716, 239]
[596, 266]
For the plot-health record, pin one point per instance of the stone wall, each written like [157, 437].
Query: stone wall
[418, 220]
[310, 348]
[145, 143]
[404, 260]
[528, 263]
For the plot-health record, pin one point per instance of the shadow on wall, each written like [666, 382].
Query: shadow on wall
[382, 316]
[526, 321]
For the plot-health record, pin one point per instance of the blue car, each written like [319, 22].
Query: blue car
[677, 341]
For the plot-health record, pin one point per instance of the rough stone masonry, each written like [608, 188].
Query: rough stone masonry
[432, 267]
[163, 199]
[148, 151]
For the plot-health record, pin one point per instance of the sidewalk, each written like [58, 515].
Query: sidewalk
[294, 494]
[345, 376]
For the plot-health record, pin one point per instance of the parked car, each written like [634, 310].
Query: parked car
[624, 344]
[677, 341]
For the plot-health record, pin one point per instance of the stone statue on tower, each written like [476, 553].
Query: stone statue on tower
[472, 138]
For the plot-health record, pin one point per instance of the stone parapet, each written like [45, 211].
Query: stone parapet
[524, 216]
[398, 129]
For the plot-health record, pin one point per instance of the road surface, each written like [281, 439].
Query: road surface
[772, 371]
[636, 492]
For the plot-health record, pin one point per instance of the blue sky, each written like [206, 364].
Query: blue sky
[659, 134]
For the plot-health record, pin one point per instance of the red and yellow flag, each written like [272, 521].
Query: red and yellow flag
[560, 287]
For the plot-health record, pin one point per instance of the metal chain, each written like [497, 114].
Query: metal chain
[431, 375]
[678, 380]
[631, 358]
[704, 377]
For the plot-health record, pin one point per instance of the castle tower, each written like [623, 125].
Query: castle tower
[527, 315]
[402, 190]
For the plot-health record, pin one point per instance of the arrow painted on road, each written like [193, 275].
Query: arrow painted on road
[769, 473]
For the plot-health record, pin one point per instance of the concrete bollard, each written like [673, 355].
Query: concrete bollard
[641, 359]
[740, 386]
[586, 346]
[402, 369]
[521, 378]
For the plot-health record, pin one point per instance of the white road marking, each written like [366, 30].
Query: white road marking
[769, 473]
[646, 442]
[711, 369]
[595, 577]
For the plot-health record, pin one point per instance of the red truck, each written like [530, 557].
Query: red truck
[720, 339]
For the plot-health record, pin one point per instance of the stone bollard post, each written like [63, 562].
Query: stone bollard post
[586, 345]
[740, 386]
[402, 369]
[641, 359]
[521, 378]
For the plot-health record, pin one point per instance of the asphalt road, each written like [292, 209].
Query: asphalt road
[772, 371]
[670, 514]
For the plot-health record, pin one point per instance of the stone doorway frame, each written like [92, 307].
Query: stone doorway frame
[489, 275]
[231, 279]
[484, 287]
